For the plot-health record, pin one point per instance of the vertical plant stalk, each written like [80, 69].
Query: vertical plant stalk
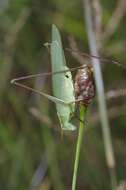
[78, 146]
[100, 93]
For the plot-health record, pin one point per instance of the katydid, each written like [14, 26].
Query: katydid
[63, 88]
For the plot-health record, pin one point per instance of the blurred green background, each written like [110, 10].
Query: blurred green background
[32, 154]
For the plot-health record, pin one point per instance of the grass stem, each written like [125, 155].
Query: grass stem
[78, 146]
[109, 153]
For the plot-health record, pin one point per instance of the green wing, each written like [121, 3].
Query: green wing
[62, 83]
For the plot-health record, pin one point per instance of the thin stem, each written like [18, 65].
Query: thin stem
[78, 147]
[101, 95]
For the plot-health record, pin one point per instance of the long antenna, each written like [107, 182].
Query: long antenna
[107, 60]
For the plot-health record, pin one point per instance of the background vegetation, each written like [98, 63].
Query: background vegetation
[32, 154]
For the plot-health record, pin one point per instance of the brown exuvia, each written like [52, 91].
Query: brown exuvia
[84, 85]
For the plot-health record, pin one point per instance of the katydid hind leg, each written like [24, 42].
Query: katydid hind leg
[29, 77]
[51, 98]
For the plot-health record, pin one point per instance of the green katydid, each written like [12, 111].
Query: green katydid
[63, 89]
